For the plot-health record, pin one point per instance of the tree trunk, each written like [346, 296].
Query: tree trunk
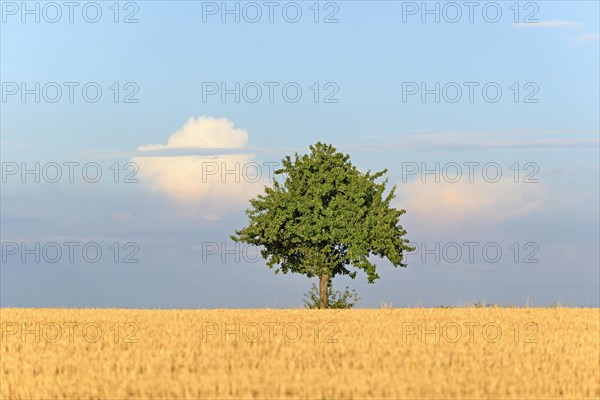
[323, 286]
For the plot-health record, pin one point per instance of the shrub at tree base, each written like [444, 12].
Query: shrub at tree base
[346, 299]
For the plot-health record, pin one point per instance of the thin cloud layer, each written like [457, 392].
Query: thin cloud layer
[444, 206]
[557, 24]
[589, 37]
[460, 141]
[564, 25]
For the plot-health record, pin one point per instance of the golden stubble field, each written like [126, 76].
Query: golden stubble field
[273, 354]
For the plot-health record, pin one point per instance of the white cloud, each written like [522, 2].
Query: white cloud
[203, 133]
[217, 181]
[557, 24]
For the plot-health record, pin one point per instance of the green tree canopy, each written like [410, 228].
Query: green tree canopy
[325, 218]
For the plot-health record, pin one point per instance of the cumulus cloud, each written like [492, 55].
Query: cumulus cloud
[203, 133]
[216, 182]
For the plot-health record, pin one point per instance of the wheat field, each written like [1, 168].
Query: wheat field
[314, 354]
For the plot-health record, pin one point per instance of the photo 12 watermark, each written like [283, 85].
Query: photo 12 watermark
[469, 332]
[70, 252]
[252, 12]
[70, 92]
[69, 332]
[224, 252]
[471, 12]
[69, 12]
[470, 171]
[289, 92]
[469, 92]
[68, 172]
[237, 172]
[269, 332]
[471, 252]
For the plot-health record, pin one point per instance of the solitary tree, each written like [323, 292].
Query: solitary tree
[325, 217]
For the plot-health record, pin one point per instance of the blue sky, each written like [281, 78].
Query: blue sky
[365, 62]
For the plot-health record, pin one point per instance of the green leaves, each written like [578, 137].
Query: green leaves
[325, 218]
